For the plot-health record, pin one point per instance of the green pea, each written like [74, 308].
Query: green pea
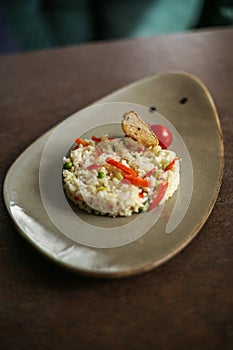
[68, 165]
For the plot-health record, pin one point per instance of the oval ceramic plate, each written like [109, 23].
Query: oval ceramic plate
[188, 107]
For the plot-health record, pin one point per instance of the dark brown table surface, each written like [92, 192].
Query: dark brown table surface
[186, 303]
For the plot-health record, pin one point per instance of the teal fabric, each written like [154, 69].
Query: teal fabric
[38, 24]
[148, 17]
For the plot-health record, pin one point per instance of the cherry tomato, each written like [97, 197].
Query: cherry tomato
[164, 135]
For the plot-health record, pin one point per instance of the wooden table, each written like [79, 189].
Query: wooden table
[186, 303]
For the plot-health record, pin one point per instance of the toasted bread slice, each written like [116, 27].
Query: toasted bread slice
[134, 127]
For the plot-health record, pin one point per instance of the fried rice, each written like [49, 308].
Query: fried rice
[119, 176]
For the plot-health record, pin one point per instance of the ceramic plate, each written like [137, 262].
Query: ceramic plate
[117, 247]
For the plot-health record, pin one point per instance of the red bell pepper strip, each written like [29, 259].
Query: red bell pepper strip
[98, 139]
[81, 142]
[159, 196]
[170, 165]
[121, 166]
[137, 181]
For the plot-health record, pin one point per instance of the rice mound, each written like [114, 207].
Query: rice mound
[101, 188]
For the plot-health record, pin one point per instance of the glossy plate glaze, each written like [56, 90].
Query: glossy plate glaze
[185, 102]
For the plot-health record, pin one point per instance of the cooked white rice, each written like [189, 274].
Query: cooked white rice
[99, 187]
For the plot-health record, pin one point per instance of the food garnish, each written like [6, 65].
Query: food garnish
[136, 128]
[121, 176]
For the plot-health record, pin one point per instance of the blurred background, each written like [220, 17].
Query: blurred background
[27, 25]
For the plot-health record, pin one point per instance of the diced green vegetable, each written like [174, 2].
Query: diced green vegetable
[101, 188]
[164, 163]
[145, 206]
[119, 176]
[100, 175]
